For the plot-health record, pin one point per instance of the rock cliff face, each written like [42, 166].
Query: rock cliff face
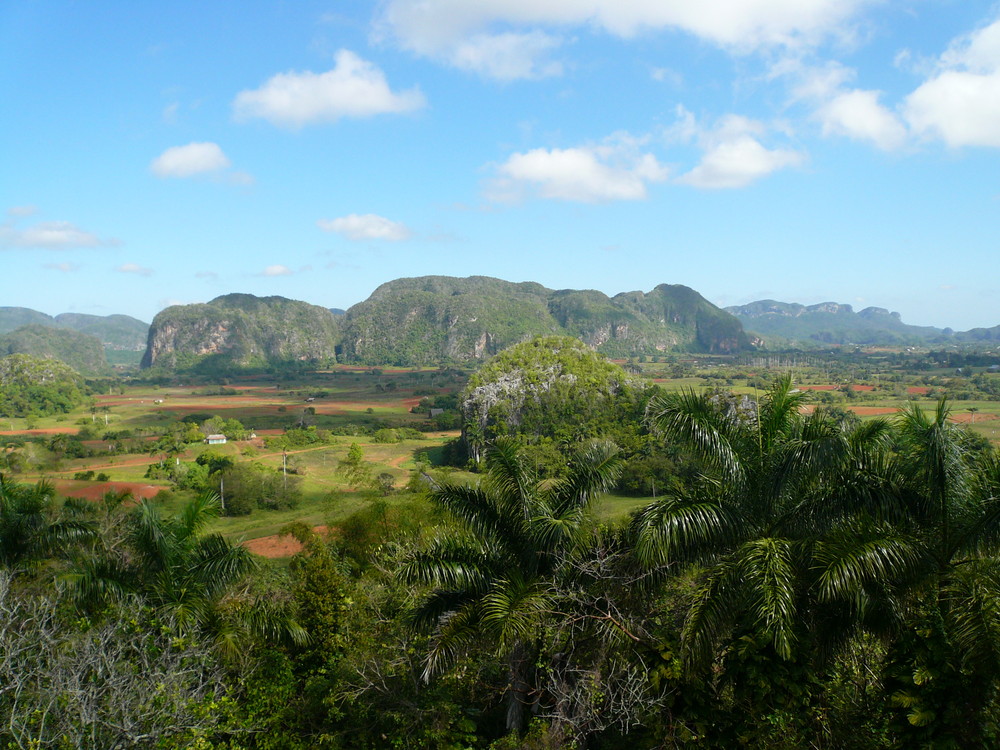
[435, 318]
[240, 331]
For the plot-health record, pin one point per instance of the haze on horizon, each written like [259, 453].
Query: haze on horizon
[826, 151]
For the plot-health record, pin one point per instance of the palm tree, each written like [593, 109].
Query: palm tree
[30, 529]
[494, 582]
[195, 580]
[929, 573]
[773, 479]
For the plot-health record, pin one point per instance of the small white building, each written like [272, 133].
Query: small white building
[216, 439]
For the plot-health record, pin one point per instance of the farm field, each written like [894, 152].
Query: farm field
[348, 404]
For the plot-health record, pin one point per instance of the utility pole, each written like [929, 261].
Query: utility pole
[222, 493]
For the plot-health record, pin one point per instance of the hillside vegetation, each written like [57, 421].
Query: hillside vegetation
[241, 332]
[120, 332]
[38, 386]
[82, 352]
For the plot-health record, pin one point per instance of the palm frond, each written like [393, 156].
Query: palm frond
[198, 512]
[770, 576]
[694, 419]
[717, 603]
[972, 597]
[865, 556]
[453, 563]
[682, 528]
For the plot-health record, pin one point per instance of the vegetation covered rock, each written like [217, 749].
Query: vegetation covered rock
[434, 318]
[552, 387]
[240, 332]
[38, 386]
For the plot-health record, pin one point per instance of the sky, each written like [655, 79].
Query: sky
[155, 153]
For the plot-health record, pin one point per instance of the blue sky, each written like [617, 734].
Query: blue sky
[801, 150]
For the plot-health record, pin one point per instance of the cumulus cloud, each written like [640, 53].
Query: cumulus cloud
[733, 155]
[858, 114]
[134, 268]
[507, 57]
[842, 110]
[366, 227]
[439, 28]
[960, 102]
[49, 235]
[615, 170]
[354, 88]
[277, 270]
[190, 160]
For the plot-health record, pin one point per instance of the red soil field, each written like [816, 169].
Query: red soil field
[278, 545]
[94, 491]
[47, 431]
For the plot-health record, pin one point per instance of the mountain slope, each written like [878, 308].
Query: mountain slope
[116, 331]
[82, 352]
[437, 318]
[240, 331]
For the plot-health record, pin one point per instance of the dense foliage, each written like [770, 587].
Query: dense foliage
[551, 389]
[801, 579]
[38, 386]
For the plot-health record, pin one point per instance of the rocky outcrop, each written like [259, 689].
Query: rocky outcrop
[241, 331]
[436, 318]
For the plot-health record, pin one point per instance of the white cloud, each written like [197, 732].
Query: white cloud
[858, 114]
[134, 268]
[354, 88]
[438, 28]
[190, 160]
[960, 102]
[50, 235]
[22, 211]
[840, 110]
[277, 270]
[615, 170]
[366, 227]
[734, 157]
[507, 57]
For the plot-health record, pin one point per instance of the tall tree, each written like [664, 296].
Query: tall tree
[31, 528]
[196, 579]
[926, 573]
[493, 583]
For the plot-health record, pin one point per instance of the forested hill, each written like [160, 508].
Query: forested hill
[114, 331]
[240, 331]
[781, 323]
[436, 318]
[82, 352]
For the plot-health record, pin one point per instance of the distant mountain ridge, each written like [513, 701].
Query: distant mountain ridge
[120, 332]
[833, 323]
[434, 319]
[81, 351]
